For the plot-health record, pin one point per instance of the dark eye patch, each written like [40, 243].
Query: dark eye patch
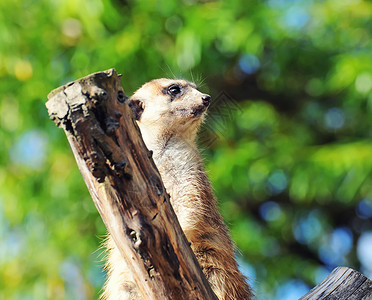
[174, 90]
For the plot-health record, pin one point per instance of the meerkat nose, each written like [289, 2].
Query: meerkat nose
[206, 99]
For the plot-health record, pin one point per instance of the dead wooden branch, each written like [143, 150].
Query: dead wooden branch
[126, 187]
[343, 283]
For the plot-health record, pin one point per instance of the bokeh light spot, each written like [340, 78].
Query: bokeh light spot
[334, 118]
[249, 63]
[363, 83]
[247, 270]
[334, 249]
[270, 211]
[364, 250]
[30, 149]
[72, 28]
[71, 274]
[295, 17]
[292, 290]
[23, 70]
[277, 182]
[308, 228]
[364, 208]
[320, 274]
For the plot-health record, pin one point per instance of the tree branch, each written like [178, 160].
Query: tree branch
[342, 284]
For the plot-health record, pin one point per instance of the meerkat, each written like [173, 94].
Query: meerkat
[169, 113]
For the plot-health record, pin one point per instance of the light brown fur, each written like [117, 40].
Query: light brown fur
[169, 125]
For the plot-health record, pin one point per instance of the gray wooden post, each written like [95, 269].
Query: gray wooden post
[342, 284]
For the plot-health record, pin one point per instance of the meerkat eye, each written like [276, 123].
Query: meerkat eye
[174, 90]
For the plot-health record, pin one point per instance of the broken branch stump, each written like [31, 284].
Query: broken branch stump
[126, 187]
[342, 284]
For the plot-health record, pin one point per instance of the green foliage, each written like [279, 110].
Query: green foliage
[287, 142]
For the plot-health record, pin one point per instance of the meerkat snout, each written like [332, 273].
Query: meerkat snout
[206, 100]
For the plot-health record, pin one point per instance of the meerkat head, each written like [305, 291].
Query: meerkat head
[173, 106]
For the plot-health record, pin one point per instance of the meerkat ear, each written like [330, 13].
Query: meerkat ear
[137, 108]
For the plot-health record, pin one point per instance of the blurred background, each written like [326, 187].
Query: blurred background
[287, 143]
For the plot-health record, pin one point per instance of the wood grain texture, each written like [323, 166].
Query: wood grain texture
[342, 283]
[126, 187]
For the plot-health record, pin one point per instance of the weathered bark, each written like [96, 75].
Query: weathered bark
[343, 283]
[126, 187]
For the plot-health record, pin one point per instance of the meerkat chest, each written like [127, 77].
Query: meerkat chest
[181, 168]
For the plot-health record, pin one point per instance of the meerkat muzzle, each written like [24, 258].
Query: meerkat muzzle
[206, 99]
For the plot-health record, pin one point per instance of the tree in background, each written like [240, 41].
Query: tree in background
[287, 141]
